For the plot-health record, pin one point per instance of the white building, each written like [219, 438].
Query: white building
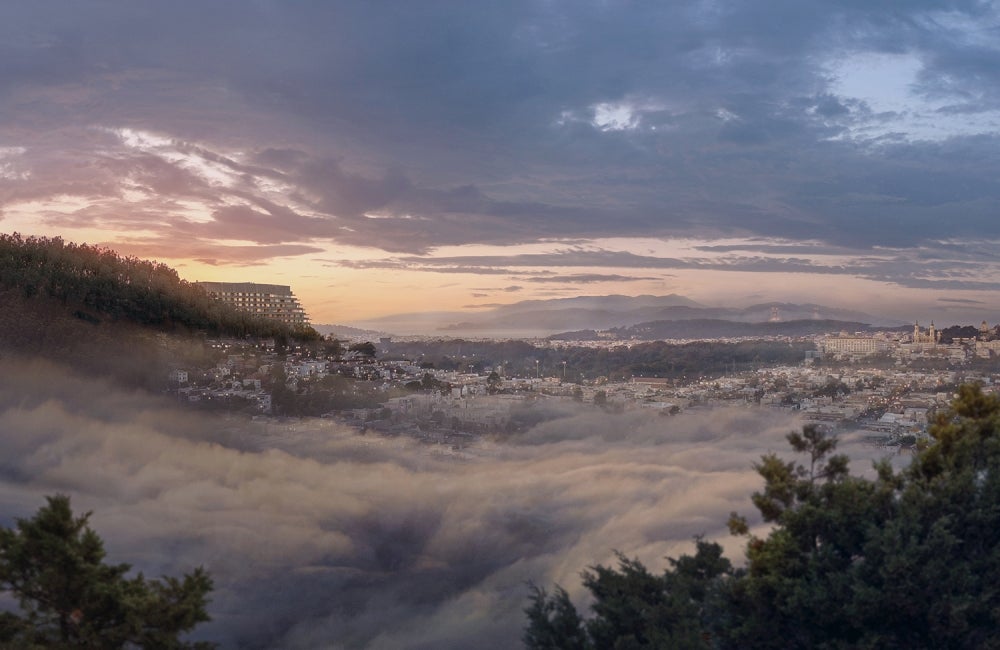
[856, 345]
[270, 301]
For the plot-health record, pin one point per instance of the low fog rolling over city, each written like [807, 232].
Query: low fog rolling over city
[319, 537]
[380, 324]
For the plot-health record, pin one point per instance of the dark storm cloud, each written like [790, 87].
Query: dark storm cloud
[453, 122]
[392, 213]
[276, 225]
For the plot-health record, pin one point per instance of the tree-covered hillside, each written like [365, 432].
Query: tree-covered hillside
[907, 559]
[108, 315]
[96, 284]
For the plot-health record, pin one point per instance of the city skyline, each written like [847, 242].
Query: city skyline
[387, 158]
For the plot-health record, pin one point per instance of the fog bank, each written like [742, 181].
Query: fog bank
[318, 537]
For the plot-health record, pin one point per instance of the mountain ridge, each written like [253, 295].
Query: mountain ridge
[548, 317]
[709, 328]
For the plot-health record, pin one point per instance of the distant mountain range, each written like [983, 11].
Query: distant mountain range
[708, 328]
[547, 317]
[348, 332]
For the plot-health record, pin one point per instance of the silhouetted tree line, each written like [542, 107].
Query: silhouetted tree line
[949, 334]
[907, 559]
[95, 283]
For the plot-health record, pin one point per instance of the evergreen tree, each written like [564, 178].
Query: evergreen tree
[907, 559]
[634, 608]
[553, 622]
[366, 349]
[53, 564]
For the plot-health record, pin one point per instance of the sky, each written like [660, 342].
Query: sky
[386, 157]
[317, 537]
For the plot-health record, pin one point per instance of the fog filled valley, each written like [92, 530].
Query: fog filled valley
[320, 537]
[464, 325]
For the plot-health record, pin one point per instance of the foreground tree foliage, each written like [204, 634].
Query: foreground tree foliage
[53, 565]
[907, 559]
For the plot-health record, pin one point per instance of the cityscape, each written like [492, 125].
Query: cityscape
[884, 384]
[547, 324]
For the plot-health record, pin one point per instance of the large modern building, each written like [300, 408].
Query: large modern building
[271, 301]
[857, 345]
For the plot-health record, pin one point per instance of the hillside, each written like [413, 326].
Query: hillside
[101, 312]
[709, 328]
[547, 317]
[98, 284]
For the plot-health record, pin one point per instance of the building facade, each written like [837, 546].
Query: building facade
[846, 345]
[270, 301]
[932, 336]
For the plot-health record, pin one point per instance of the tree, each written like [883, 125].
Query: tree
[332, 347]
[907, 559]
[553, 622]
[430, 382]
[634, 608]
[366, 349]
[53, 564]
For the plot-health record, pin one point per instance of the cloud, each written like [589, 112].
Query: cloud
[961, 301]
[212, 254]
[955, 264]
[832, 128]
[319, 537]
[587, 278]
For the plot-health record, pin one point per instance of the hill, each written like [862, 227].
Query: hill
[95, 284]
[709, 328]
[102, 312]
[547, 317]
[347, 332]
